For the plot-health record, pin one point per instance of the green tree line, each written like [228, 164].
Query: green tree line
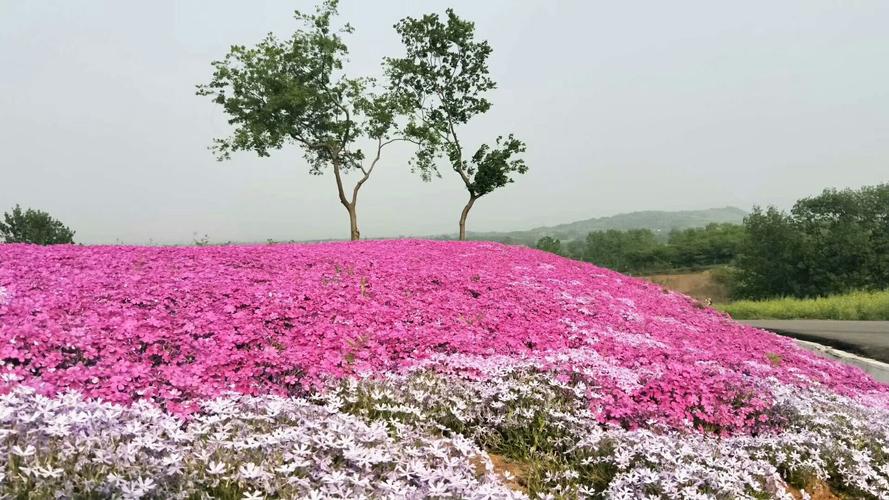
[832, 243]
[641, 251]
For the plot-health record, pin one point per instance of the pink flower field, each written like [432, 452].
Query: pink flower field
[176, 328]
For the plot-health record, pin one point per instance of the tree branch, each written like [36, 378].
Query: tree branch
[380, 146]
[339, 179]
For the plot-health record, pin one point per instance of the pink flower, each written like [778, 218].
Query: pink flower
[179, 325]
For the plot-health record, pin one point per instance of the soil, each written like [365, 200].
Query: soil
[518, 471]
[701, 285]
[817, 490]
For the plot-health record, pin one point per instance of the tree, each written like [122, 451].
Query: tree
[706, 246]
[444, 77]
[851, 232]
[831, 243]
[294, 92]
[634, 250]
[768, 261]
[550, 244]
[33, 226]
[574, 249]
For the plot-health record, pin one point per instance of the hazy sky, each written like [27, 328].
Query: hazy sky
[624, 105]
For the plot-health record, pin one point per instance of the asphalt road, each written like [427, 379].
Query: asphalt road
[869, 339]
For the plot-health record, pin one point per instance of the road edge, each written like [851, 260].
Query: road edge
[876, 369]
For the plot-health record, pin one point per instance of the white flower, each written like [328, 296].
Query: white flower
[287, 469]
[138, 488]
[29, 471]
[59, 429]
[250, 471]
[146, 484]
[255, 495]
[215, 468]
[49, 472]
[437, 489]
[335, 477]
[26, 452]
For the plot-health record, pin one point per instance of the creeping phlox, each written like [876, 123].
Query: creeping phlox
[421, 435]
[597, 382]
[178, 325]
[823, 436]
[238, 447]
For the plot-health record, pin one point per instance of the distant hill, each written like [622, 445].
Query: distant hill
[656, 220]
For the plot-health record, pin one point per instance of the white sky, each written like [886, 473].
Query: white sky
[624, 105]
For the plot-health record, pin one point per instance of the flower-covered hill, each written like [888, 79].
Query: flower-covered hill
[176, 325]
[402, 369]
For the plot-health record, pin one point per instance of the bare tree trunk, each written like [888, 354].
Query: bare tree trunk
[463, 216]
[353, 222]
[354, 234]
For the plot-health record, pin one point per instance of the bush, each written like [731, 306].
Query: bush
[34, 226]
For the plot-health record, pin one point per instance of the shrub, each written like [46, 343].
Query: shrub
[33, 226]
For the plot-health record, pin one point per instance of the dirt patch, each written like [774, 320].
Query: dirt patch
[514, 474]
[817, 490]
[701, 285]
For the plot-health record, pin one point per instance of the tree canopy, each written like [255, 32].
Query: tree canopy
[549, 244]
[443, 78]
[827, 244]
[294, 91]
[33, 226]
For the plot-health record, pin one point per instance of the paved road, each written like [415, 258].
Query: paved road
[864, 338]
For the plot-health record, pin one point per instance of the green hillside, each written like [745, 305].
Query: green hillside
[659, 221]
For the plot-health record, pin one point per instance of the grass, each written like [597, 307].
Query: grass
[850, 306]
